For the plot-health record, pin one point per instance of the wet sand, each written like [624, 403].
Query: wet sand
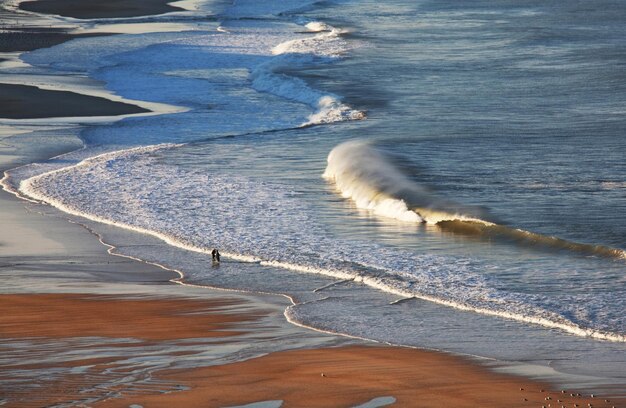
[46, 315]
[29, 39]
[27, 33]
[24, 32]
[163, 330]
[29, 102]
[349, 376]
[116, 332]
[87, 9]
[88, 347]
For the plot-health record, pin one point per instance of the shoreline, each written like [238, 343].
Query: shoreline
[93, 319]
[116, 284]
[405, 372]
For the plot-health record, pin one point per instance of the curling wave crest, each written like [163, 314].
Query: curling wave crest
[369, 177]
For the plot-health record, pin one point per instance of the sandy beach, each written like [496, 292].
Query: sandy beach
[171, 329]
[129, 327]
[28, 32]
[32, 38]
[350, 376]
[82, 327]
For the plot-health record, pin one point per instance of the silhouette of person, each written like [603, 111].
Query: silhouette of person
[215, 254]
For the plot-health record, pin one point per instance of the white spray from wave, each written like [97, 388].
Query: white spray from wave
[325, 46]
[374, 183]
[359, 183]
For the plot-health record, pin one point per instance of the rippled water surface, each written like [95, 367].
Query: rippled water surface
[483, 179]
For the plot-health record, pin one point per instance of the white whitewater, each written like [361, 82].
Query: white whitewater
[373, 182]
[198, 211]
[365, 175]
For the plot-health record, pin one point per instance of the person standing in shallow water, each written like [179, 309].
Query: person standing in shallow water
[216, 255]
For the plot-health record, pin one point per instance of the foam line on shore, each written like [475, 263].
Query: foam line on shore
[317, 47]
[388, 283]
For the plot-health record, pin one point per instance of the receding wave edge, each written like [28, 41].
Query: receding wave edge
[28, 189]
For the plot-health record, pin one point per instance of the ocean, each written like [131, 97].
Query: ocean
[439, 174]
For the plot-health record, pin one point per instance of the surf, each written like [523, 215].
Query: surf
[139, 194]
[324, 45]
[368, 176]
[260, 222]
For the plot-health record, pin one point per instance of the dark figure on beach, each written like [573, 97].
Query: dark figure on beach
[216, 255]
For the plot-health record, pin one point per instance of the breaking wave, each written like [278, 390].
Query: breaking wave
[325, 46]
[258, 222]
[369, 177]
[265, 223]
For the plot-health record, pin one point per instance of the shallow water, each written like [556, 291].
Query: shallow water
[497, 112]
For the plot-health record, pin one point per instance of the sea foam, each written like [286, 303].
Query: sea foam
[198, 211]
[263, 49]
[263, 221]
[325, 46]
